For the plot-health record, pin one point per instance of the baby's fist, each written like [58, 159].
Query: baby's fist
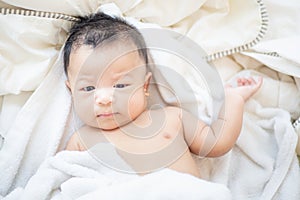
[246, 87]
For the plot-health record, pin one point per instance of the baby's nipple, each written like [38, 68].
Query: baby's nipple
[167, 136]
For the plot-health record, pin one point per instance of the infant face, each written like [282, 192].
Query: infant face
[107, 84]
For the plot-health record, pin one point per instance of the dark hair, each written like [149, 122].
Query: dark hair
[96, 28]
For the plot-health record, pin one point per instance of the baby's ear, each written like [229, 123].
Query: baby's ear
[147, 80]
[67, 82]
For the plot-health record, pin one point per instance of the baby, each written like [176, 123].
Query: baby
[107, 66]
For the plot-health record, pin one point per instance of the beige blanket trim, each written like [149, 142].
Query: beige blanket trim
[209, 58]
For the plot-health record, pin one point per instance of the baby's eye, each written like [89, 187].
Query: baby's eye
[88, 88]
[120, 85]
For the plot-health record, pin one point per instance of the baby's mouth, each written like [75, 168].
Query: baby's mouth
[105, 115]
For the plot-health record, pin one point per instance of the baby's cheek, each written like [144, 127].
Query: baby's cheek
[84, 107]
[136, 104]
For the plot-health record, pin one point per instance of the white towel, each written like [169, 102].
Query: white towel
[77, 175]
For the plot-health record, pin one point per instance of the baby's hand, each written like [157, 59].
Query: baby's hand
[246, 87]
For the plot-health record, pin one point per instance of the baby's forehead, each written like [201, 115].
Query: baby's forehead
[108, 61]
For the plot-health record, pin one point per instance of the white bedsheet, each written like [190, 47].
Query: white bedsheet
[263, 164]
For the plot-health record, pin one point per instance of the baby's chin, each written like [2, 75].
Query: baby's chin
[105, 127]
[109, 126]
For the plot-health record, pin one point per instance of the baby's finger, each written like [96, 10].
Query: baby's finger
[239, 82]
[251, 81]
[245, 81]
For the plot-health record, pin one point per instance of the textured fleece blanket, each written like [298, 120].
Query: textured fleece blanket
[77, 175]
[36, 118]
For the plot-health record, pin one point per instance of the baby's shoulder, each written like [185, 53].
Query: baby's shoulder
[174, 111]
[74, 143]
[86, 137]
[168, 110]
[171, 112]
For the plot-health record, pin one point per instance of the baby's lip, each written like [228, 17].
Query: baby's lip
[106, 114]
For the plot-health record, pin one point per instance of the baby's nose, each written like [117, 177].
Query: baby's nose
[103, 96]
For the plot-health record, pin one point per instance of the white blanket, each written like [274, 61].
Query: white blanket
[253, 170]
[261, 166]
[263, 163]
[77, 175]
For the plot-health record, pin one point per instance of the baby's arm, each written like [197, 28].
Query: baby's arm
[220, 137]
